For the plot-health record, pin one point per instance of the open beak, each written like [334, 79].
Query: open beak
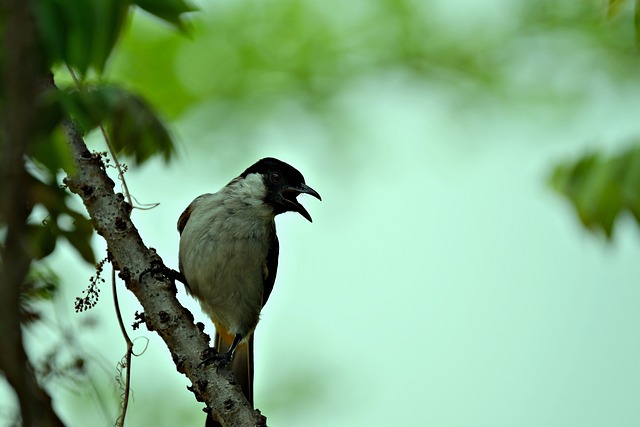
[292, 192]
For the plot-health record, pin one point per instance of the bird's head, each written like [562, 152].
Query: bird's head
[283, 184]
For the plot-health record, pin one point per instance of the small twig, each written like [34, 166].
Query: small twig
[127, 367]
[115, 160]
[144, 206]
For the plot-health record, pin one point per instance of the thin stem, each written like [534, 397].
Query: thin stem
[127, 367]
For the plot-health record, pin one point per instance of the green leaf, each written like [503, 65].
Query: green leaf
[43, 236]
[80, 238]
[636, 22]
[601, 188]
[52, 153]
[149, 47]
[134, 128]
[85, 109]
[168, 10]
[42, 284]
[81, 33]
[614, 7]
[136, 131]
[42, 239]
[110, 16]
[51, 25]
[50, 195]
[49, 148]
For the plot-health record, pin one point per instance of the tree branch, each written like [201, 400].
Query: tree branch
[110, 214]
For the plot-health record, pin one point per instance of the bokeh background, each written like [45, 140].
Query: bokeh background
[442, 281]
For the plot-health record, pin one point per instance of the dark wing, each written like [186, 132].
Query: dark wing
[182, 223]
[184, 217]
[270, 268]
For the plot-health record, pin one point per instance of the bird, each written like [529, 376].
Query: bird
[228, 255]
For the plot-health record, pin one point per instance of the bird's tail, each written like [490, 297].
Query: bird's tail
[241, 365]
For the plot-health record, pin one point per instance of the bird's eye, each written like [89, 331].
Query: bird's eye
[275, 177]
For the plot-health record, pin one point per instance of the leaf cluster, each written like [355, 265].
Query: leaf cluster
[84, 33]
[601, 188]
[81, 36]
[77, 38]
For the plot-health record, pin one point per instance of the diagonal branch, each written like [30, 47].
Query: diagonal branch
[110, 214]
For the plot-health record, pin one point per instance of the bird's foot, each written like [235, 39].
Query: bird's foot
[157, 267]
[210, 355]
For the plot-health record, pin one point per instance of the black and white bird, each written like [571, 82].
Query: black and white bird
[229, 254]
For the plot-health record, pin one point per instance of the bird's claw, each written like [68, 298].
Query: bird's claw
[210, 355]
[157, 267]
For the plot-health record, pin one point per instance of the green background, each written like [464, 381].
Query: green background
[442, 282]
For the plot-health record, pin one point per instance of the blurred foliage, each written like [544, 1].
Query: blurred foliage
[67, 362]
[61, 221]
[41, 285]
[601, 187]
[615, 7]
[82, 36]
[252, 54]
[78, 37]
[83, 33]
[133, 126]
[248, 56]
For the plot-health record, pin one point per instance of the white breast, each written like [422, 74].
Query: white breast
[223, 247]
